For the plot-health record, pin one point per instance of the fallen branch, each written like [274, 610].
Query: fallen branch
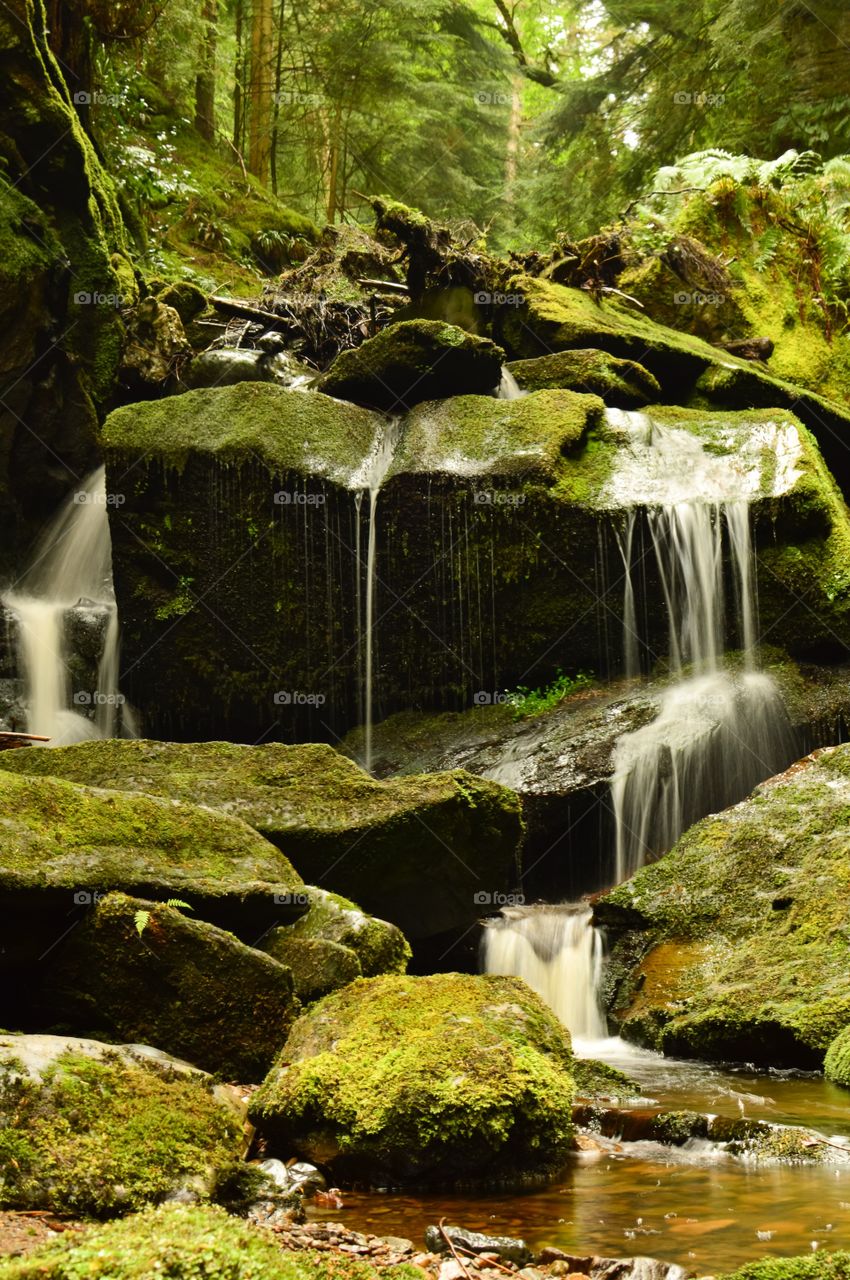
[385, 286]
[235, 307]
[458, 1259]
[491, 1262]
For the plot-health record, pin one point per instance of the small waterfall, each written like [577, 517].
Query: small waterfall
[369, 480]
[716, 736]
[70, 571]
[509, 388]
[558, 952]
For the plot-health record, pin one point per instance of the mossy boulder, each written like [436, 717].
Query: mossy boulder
[411, 361]
[735, 945]
[91, 1129]
[626, 384]
[413, 851]
[836, 1066]
[183, 1241]
[187, 299]
[332, 923]
[318, 967]
[812, 1266]
[64, 845]
[432, 1081]
[143, 971]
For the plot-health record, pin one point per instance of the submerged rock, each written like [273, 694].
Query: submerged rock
[97, 1129]
[415, 851]
[433, 1081]
[622, 383]
[734, 945]
[411, 361]
[143, 971]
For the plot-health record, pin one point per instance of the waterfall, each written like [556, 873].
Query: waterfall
[368, 482]
[509, 388]
[558, 952]
[71, 573]
[716, 736]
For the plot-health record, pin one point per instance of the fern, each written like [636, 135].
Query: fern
[142, 917]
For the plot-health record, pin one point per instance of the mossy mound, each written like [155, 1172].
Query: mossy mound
[142, 971]
[413, 851]
[622, 383]
[411, 361]
[286, 431]
[185, 1242]
[812, 1266]
[317, 966]
[332, 921]
[735, 945]
[100, 1133]
[836, 1065]
[433, 1081]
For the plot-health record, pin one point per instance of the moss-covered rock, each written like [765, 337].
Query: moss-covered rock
[183, 1241]
[332, 921]
[812, 1266]
[187, 299]
[622, 383]
[836, 1064]
[86, 1129]
[438, 1080]
[411, 361]
[736, 944]
[143, 971]
[317, 966]
[414, 851]
[64, 845]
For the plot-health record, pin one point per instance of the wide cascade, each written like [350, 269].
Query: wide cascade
[720, 729]
[68, 584]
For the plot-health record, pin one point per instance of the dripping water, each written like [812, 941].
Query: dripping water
[71, 570]
[509, 388]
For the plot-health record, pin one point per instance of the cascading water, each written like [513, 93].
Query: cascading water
[716, 735]
[509, 388]
[368, 481]
[559, 954]
[71, 571]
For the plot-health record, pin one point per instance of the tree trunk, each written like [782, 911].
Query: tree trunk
[261, 88]
[238, 84]
[278, 80]
[70, 39]
[205, 79]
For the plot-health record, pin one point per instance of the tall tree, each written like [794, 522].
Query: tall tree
[205, 80]
[261, 88]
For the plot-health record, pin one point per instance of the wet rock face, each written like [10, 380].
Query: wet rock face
[625, 384]
[425, 1081]
[496, 557]
[733, 945]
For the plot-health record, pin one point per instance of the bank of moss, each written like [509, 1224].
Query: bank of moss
[105, 1137]
[623, 383]
[811, 1266]
[736, 943]
[836, 1064]
[178, 1240]
[436, 1080]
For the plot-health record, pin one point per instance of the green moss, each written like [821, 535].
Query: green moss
[228, 1007]
[201, 1242]
[747, 927]
[623, 383]
[411, 361]
[318, 966]
[378, 946]
[836, 1064]
[600, 1080]
[431, 1080]
[104, 1137]
[812, 1266]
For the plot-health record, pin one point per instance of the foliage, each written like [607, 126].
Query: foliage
[530, 702]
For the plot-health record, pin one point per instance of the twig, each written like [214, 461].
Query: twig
[825, 1142]
[385, 286]
[458, 1259]
[491, 1262]
[680, 191]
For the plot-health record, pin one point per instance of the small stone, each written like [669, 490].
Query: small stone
[398, 1244]
[451, 1270]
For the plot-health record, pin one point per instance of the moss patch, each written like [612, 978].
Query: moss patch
[623, 383]
[837, 1062]
[430, 1080]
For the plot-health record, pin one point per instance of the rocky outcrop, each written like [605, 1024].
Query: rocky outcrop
[625, 384]
[96, 1129]
[416, 851]
[734, 945]
[143, 971]
[429, 1081]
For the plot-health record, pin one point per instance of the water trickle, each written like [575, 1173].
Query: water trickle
[71, 570]
[368, 481]
[558, 952]
[509, 388]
